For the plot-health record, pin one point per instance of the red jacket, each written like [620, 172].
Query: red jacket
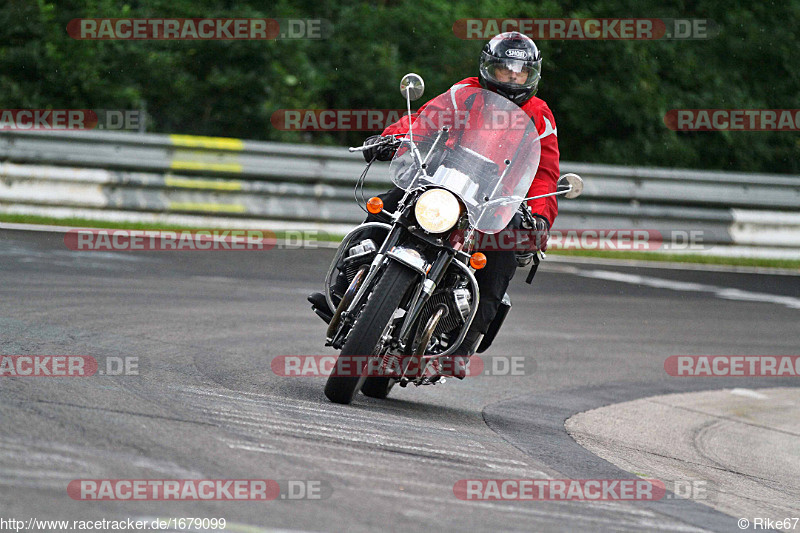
[548, 171]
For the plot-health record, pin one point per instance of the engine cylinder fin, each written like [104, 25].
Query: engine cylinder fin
[447, 323]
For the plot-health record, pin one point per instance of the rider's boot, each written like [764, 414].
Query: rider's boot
[320, 305]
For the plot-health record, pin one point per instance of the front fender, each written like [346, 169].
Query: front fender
[411, 258]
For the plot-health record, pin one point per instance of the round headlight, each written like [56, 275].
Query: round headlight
[437, 210]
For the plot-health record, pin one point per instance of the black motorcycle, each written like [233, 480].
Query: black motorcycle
[465, 167]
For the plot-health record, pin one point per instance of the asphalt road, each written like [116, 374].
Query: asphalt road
[206, 405]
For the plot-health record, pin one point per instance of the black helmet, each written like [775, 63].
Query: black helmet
[504, 59]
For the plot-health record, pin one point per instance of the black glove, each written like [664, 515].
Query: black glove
[540, 227]
[383, 152]
[535, 238]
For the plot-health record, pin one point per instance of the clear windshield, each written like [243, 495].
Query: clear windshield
[488, 156]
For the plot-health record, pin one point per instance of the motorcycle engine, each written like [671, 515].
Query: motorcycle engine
[458, 303]
[357, 256]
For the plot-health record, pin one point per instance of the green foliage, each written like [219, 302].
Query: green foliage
[609, 97]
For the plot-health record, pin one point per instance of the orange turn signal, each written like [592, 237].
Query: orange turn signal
[477, 261]
[374, 205]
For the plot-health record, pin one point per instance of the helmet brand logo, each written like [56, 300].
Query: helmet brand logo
[516, 53]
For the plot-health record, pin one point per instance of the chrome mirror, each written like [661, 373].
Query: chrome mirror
[412, 86]
[572, 183]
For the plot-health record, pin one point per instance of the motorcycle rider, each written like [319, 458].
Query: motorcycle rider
[510, 65]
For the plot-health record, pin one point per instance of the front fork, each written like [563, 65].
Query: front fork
[345, 320]
[432, 278]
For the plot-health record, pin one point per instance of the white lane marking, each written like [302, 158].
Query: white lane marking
[258, 422]
[642, 519]
[214, 279]
[235, 410]
[12, 475]
[341, 447]
[521, 471]
[553, 261]
[346, 434]
[371, 476]
[273, 289]
[258, 448]
[249, 447]
[750, 394]
[318, 409]
[387, 421]
[725, 293]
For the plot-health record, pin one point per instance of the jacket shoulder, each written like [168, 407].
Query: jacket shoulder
[471, 81]
[539, 107]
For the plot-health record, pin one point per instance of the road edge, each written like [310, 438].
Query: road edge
[535, 424]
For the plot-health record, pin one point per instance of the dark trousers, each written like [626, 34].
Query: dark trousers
[493, 279]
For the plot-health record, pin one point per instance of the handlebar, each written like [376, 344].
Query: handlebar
[384, 140]
[502, 201]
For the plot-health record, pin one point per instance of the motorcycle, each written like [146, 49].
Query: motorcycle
[411, 296]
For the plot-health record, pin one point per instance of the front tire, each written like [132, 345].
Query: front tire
[363, 339]
[377, 387]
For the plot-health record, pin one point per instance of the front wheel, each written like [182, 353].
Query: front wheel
[364, 338]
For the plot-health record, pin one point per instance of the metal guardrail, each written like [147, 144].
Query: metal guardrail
[305, 184]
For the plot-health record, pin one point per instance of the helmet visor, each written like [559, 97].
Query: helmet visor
[511, 73]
